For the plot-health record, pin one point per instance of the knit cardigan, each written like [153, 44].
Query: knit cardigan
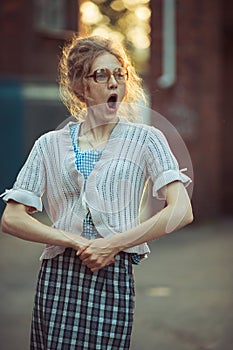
[113, 191]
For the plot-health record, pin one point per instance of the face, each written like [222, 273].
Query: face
[108, 94]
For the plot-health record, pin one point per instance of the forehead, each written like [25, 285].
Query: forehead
[105, 60]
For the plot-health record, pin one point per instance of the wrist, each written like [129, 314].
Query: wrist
[80, 242]
[74, 240]
[115, 243]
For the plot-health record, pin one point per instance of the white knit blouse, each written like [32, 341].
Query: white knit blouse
[113, 190]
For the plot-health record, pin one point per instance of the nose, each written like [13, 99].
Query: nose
[112, 83]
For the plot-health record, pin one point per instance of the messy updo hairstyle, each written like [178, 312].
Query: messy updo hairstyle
[75, 65]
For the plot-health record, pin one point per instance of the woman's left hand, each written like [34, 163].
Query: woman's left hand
[98, 254]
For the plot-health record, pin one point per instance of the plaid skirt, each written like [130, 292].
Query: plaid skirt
[76, 309]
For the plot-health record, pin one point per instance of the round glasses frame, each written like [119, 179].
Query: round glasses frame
[103, 75]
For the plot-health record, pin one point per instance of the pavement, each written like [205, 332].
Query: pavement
[184, 291]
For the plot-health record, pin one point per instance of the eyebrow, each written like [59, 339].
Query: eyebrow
[107, 68]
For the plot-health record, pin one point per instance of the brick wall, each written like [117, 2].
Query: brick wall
[194, 103]
[26, 50]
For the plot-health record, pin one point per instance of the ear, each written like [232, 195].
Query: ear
[80, 95]
[85, 92]
[81, 90]
[78, 89]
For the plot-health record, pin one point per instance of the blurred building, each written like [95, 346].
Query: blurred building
[188, 79]
[196, 97]
[32, 35]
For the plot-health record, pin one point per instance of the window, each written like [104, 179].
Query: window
[55, 17]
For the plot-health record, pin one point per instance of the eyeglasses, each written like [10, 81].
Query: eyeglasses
[103, 75]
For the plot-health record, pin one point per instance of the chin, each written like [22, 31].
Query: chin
[104, 113]
[111, 111]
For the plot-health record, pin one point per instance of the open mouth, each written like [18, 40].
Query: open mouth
[112, 102]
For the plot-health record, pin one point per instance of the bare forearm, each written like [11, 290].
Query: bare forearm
[101, 252]
[176, 214]
[22, 225]
[156, 227]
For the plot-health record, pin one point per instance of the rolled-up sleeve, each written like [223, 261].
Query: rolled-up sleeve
[30, 183]
[162, 166]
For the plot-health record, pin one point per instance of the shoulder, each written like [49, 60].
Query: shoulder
[53, 136]
[149, 132]
[55, 143]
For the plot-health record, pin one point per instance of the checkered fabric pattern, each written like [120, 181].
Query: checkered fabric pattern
[85, 162]
[76, 309]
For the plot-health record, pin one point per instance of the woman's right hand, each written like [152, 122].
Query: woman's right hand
[98, 255]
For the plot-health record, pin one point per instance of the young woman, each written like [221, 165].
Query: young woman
[93, 173]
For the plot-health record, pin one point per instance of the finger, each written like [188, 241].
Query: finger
[101, 265]
[81, 250]
[85, 255]
[91, 262]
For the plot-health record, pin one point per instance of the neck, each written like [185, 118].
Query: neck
[98, 129]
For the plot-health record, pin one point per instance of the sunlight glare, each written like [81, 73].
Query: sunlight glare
[143, 13]
[90, 13]
[139, 38]
[117, 5]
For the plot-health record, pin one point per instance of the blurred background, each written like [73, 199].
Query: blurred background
[183, 51]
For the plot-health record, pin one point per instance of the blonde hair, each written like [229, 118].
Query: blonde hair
[75, 64]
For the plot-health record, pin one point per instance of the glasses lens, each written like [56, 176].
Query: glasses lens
[120, 74]
[101, 76]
